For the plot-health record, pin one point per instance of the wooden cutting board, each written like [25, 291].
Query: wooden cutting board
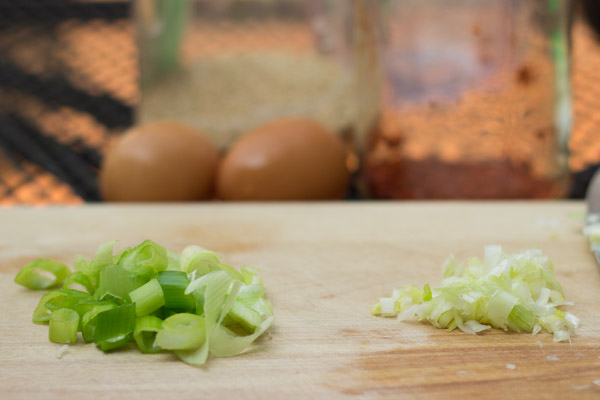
[323, 266]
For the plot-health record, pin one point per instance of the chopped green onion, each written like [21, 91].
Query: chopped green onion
[147, 258]
[173, 284]
[173, 261]
[207, 307]
[506, 291]
[147, 298]
[224, 344]
[250, 276]
[88, 321]
[63, 326]
[68, 298]
[250, 294]
[426, 292]
[41, 314]
[79, 278]
[195, 258]
[115, 281]
[181, 331]
[115, 326]
[245, 316]
[115, 342]
[145, 331]
[32, 275]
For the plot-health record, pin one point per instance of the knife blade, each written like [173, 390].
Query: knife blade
[592, 221]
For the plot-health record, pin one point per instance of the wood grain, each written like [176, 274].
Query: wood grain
[323, 266]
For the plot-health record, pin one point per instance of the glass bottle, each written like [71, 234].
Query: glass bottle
[475, 100]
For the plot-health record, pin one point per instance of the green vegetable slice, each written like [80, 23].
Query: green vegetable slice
[63, 326]
[173, 284]
[181, 331]
[89, 319]
[115, 281]
[147, 298]
[32, 275]
[79, 278]
[145, 331]
[41, 314]
[114, 327]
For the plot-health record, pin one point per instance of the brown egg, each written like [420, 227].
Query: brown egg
[159, 161]
[287, 159]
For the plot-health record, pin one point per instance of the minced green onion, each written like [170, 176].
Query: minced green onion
[63, 326]
[516, 292]
[114, 326]
[191, 303]
[32, 275]
[147, 298]
[173, 284]
[145, 331]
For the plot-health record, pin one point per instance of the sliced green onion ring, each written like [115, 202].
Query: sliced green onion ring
[63, 326]
[145, 331]
[32, 275]
[181, 331]
[147, 298]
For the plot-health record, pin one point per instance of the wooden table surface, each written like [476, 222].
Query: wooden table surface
[323, 266]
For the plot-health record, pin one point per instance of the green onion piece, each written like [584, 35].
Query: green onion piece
[216, 306]
[145, 331]
[147, 298]
[114, 343]
[32, 278]
[250, 276]
[114, 326]
[68, 298]
[102, 258]
[88, 321]
[115, 281]
[427, 292]
[521, 319]
[224, 344]
[182, 331]
[245, 316]
[231, 271]
[250, 294]
[196, 258]
[41, 314]
[63, 326]
[173, 263]
[146, 258]
[79, 278]
[173, 284]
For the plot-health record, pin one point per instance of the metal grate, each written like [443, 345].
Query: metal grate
[68, 72]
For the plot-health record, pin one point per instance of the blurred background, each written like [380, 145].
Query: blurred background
[429, 100]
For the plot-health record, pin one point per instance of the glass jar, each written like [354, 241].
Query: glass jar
[229, 66]
[475, 100]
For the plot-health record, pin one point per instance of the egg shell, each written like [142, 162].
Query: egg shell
[287, 159]
[159, 161]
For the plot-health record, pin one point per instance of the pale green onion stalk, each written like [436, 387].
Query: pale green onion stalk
[517, 292]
